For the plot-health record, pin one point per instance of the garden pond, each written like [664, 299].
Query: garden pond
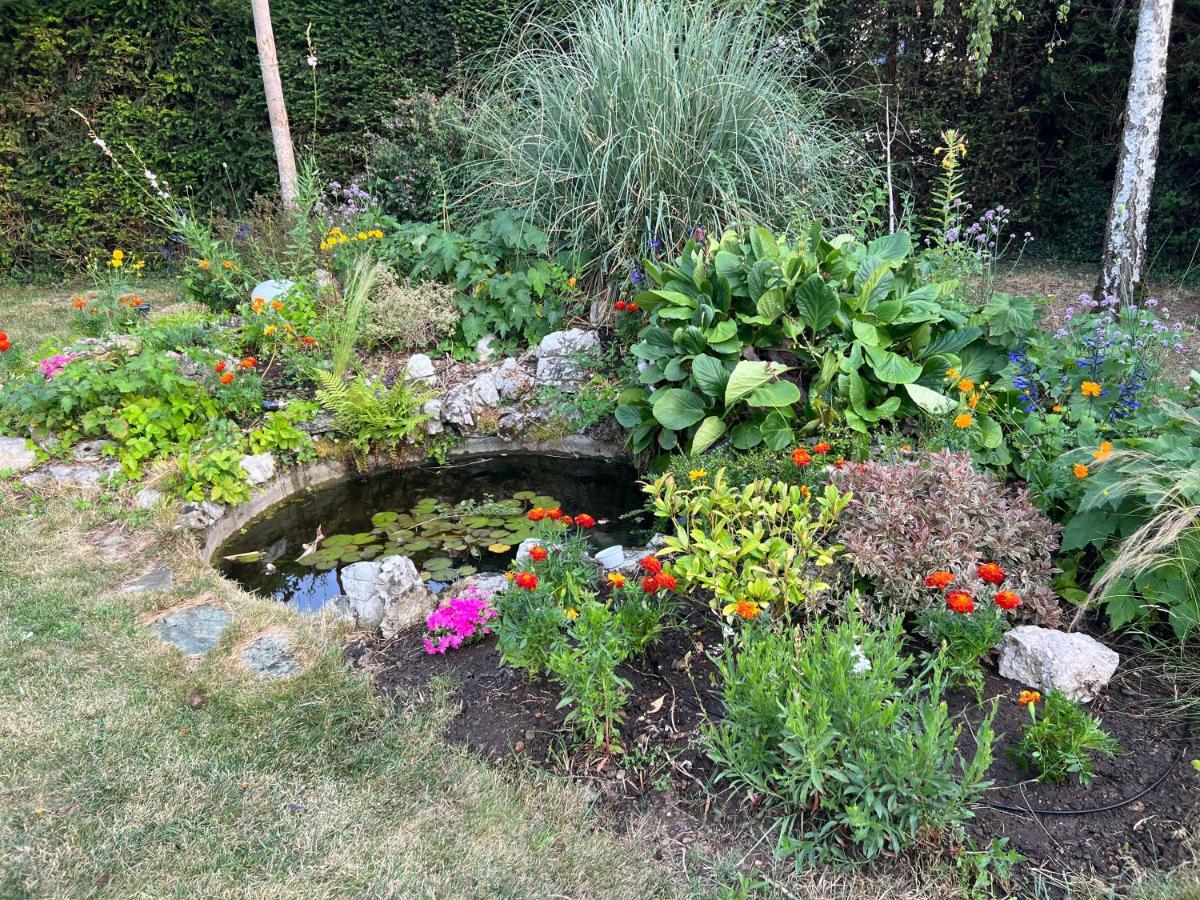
[452, 520]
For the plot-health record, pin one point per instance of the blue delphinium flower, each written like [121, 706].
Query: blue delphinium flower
[1026, 380]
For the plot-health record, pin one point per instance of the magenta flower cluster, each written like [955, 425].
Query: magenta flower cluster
[459, 621]
[53, 365]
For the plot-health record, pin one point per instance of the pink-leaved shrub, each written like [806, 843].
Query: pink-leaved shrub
[937, 512]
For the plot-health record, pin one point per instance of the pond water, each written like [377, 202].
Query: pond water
[451, 520]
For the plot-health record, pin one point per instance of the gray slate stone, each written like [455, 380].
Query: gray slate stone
[159, 579]
[73, 474]
[1043, 658]
[199, 515]
[147, 498]
[420, 368]
[14, 455]
[270, 656]
[433, 424]
[393, 584]
[558, 355]
[194, 630]
[90, 451]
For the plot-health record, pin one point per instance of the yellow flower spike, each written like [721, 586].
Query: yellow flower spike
[269, 330]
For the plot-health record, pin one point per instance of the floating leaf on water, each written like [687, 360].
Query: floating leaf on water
[464, 571]
[524, 495]
[364, 538]
[384, 518]
[438, 563]
[499, 548]
[424, 576]
[325, 565]
[339, 540]
[371, 552]
[545, 502]
[252, 556]
[309, 559]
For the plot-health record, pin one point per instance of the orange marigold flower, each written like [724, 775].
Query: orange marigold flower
[960, 602]
[1027, 697]
[667, 581]
[220, 366]
[991, 573]
[204, 265]
[620, 306]
[583, 520]
[308, 341]
[227, 378]
[555, 513]
[805, 491]
[616, 579]
[526, 580]
[821, 448]
[964, 420]
[537, 514]
[79, 303]
[276, 305]
[939, 579]
[650, 584]
[747, 609]
[966, 385]
[1104, 452]
[650, 564]
[567, 520]
[839, 464]
[1081, 471]
[632, 307]
[1007, 600]
[249, 363]
[226, 264]
[538, 554]
[801, 457]
[1090, 389]
[973, 400]
[1056, 408]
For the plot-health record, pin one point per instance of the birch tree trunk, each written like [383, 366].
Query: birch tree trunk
[1125, 251]
[280, 133]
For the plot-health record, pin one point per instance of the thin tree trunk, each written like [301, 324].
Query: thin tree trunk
[280, 133]
[1125, 250]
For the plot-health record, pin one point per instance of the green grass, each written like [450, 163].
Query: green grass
[112, 784]
[29, 314]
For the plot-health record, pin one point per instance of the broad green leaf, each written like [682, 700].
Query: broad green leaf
[748, 375]
[678, 409]
[952, 341]
[707, 434]
[891, 368]
[930, 400]
[891, 248]
[816, 303]
[991, 435]
[722, 331]
[746, 435]
[775, 394]
[777, 432]
[709, 374]
[867, 333]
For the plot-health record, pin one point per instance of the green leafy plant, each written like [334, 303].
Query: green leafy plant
[764, 543]
[1060, 740]
[854, 757]
[279, 434]
[369, 412]
[217, 475]
[961, 640]
[866, 340]
[660, 116]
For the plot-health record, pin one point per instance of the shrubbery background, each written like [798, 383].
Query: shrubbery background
[180, 82]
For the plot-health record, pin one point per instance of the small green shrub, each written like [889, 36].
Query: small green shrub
[1061, 740]
[409, 316]
[764, 543]
[961, 640]
[856, 758]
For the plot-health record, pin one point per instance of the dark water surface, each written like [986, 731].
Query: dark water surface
[608, 491]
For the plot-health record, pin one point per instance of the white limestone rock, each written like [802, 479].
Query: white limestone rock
[1043, 658]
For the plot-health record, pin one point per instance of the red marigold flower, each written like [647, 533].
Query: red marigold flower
[651, 564]
[991, 573]
[249, 363]
[960, 602]
[620, 306]
[537, 554]
[227, 378]
[940, 580]
[666, 581]
[801, 457]
[537, 514]
[650, 584]
[632, 307]
[526, 580]
[821, 448]
[79, 303]
[1007, 600]
[583, 520]
[567, 520]
[219, 367]
[308, 341]
[555, 514]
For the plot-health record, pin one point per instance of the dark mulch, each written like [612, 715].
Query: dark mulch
[507, 717]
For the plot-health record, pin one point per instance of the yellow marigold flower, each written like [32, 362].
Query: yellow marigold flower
[1027, 697]
[952, 374]
[324, 246]
[377, 233]
[571, 281]
[342, 238]
[697, 474]
[964, 420]
[1090, 389]
[616, 579]
[966, 386]
[118, 253]
[269, 330]
[572, 613]
[362, 235]
[1081, 471]
[1056, 408]
[139, 265]
[204, 265]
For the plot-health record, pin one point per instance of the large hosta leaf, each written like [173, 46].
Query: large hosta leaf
[892, 368]
[747, 376]
[930, 400]
[709, 374]
[776, 394]
[707, 434]
[678, 409]
[816, 303]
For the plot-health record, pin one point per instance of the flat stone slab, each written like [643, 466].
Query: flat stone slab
[73, 474]
[270, 656]
[14, 455]
[194, 630]
[159, 579]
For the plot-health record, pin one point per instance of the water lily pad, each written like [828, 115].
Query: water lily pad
[252, 556]
[384, 518]
[499, 548]
[338, 540]
[524, 495]
[326, 565]
[425, 576]
[309, 559]
[464, 571]
[438, 563]
[544, 501]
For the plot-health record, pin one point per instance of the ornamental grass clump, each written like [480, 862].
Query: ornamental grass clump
[655, 114]
[914, 517]
[855, 757]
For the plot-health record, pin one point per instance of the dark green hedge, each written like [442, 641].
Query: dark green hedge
[179, 81]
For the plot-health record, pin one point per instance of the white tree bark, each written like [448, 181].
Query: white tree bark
[280, 133]
[1125, 251]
